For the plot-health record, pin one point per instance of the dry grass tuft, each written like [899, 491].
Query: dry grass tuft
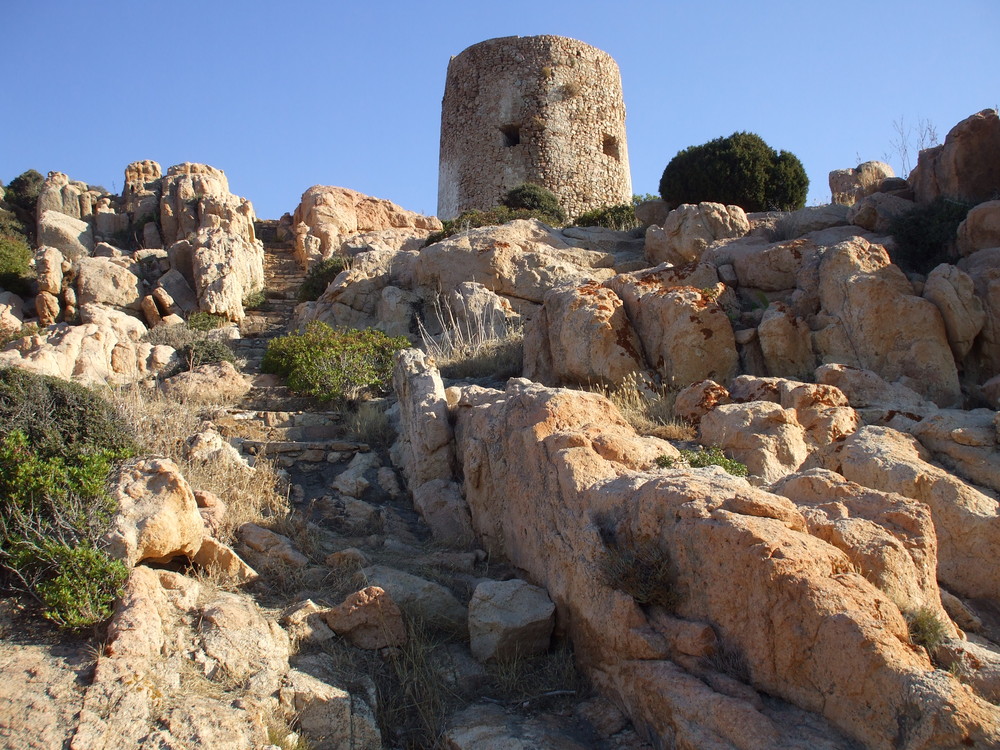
[548, 676]
[648, 408]
[370, 424]
[474, 344]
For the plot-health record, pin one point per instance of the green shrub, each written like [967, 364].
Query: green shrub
[58, 444]
[333, 364]
[740, 170]
[701, 458]
[535, 198]
[12, 226]
[203, 321]
[320, 276]
[621, 218]
[23, 190]
[923, 235]
[16, 269]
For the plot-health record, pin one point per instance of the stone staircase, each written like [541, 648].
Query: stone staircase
[282, 278]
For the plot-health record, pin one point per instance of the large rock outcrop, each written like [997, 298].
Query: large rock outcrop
[689, 229]
[328, 216]
[742, 562]
[91, 354]
[582, 335]
[967, 521]
[872, 319]
[195, 197]
[966, 165]
[522, 259]
[848, 186]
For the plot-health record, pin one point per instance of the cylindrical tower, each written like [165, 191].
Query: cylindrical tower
[540, 109]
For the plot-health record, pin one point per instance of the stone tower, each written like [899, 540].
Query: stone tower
[541, 109]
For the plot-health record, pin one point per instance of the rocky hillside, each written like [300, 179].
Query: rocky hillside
[726, 481]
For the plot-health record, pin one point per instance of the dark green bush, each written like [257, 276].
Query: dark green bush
[58, 445]
[740, 170]
[320, 276]
[333, 364]
[23, 190]
[924, 235]
[535, 198]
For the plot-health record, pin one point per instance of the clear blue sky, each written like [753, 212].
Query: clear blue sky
[282, 96]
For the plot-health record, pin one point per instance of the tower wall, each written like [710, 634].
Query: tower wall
[541, 109]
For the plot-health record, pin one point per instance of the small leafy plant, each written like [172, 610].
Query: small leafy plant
[254, 300]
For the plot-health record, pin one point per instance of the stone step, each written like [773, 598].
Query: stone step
[268, 447]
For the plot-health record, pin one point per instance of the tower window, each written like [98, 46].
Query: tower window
[511, 135]
[610, 147]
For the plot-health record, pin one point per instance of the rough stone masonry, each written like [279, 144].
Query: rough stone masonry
[540, 109]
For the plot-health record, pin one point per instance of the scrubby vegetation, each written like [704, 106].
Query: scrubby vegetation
[526, 201]
[205, 351]
[254, 300]
[648, 408]
[925, 234]
[334, 365]
[926, 628]
[58, 444]
[320, 276]
[740, 170]
[15, 264]
[619, 217]
[203, 321]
